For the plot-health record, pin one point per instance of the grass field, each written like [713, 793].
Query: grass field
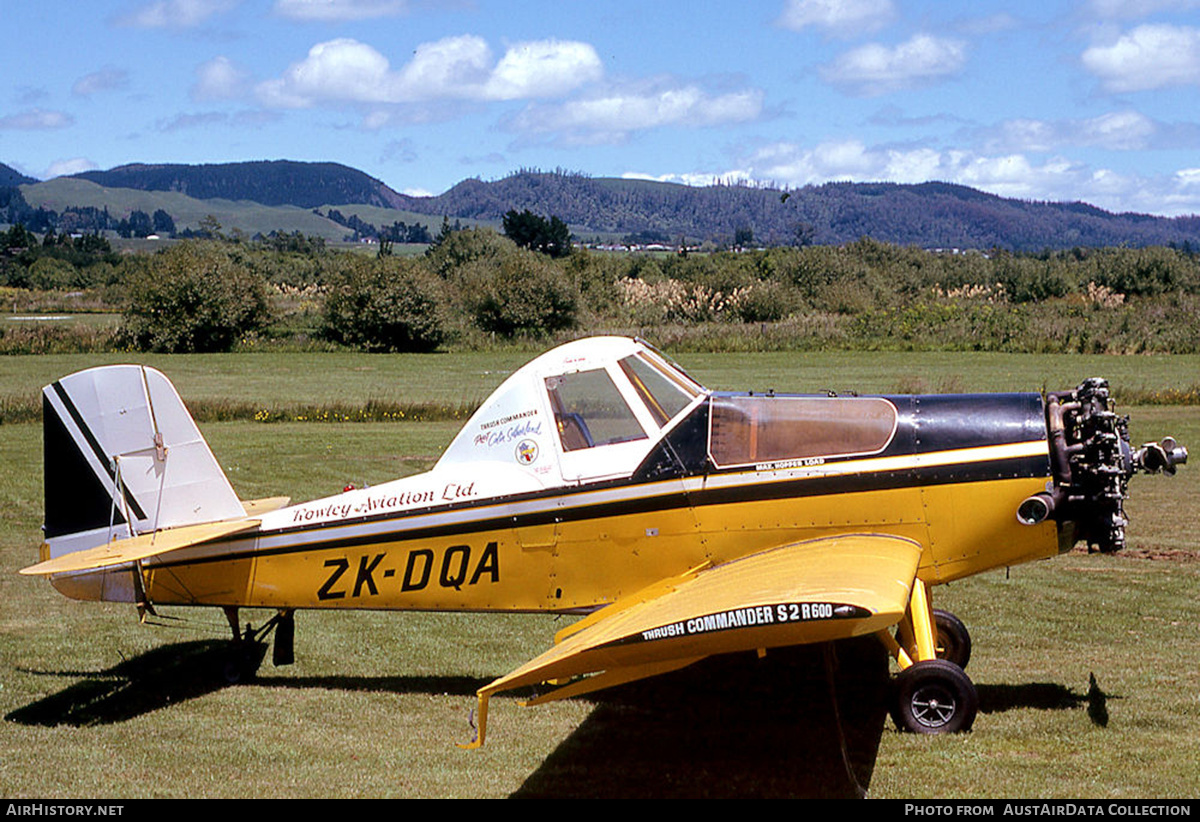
[1087, 667]
[468, 377]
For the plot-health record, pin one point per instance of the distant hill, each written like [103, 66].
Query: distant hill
[271, 183]
[65, 196]
[929, 215]
[9, 176]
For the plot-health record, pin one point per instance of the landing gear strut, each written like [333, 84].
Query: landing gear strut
[247, 649]
[931, 694]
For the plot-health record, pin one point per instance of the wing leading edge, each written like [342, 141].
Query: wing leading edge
[813, 591]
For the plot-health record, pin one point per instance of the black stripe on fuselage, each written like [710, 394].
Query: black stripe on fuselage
[670, 499]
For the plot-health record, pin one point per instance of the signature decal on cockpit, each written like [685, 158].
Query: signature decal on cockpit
[510, 428]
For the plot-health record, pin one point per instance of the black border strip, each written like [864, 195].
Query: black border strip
[94, 444]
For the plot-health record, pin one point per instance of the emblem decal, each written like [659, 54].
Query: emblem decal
[527, 452]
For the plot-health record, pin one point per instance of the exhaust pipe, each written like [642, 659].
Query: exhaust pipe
[1036, 509]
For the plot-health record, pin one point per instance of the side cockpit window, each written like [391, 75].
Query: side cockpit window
[776, 430]
[589, 411]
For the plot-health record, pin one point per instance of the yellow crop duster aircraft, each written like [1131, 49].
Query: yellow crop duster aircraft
[601, 480]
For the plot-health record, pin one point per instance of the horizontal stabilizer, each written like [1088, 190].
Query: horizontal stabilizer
[255, 507]
[125, 551]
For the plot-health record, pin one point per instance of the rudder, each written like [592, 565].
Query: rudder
[123, 457]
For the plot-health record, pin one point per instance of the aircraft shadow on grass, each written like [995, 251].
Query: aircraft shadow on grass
[175, 673]
[163, 676]
[804, 721]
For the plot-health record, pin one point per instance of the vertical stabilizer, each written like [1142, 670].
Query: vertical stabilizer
[123, 457]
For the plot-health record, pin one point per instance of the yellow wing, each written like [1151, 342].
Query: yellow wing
[814, 591]
[124, 551]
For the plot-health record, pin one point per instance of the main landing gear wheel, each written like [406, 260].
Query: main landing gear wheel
[953, 640]
[934, 697]
[242, 661]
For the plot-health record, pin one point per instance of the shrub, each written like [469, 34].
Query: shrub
[192, 297]
[521, 293]
[595, 276]
[459, 248]
[766, 301]
[384, 304]
[48, 273]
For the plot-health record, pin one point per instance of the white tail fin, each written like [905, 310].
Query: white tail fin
[123, 457]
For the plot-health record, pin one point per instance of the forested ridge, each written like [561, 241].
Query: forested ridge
[928, 215]
[278, 182]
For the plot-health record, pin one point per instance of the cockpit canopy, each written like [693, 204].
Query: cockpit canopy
[594, 409]
[586, 410]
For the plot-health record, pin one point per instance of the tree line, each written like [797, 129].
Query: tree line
[477, 287]
[14, 210]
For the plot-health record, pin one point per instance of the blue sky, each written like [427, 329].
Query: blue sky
[1093, 100]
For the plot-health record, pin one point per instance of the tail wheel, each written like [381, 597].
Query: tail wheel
[953, 639]
[934, 697]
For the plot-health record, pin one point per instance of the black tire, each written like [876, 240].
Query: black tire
[953, 639]
[934, 697]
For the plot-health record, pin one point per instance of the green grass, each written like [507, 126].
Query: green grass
[98, 705]
[466, 378]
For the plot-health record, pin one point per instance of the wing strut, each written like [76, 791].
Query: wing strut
[144, 605]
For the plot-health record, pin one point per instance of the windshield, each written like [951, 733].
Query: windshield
[664, 391]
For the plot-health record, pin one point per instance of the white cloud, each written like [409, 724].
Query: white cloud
[108, 78]
[694, 178]
[451, 67]
[1126, 130]
[336, 71]
[333, 11]
[1119, 130]
[347, 71]
[876, 69]
[219, 79]
[1011, 174]
[36, 119]
[546, 68]
[176, 14]
[1139, 8]
[182, 122]
[74, 165]
[839, 17]
[610, 117]
[1148, 57]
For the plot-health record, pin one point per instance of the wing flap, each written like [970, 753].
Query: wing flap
[814, 591]
[125, 551]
